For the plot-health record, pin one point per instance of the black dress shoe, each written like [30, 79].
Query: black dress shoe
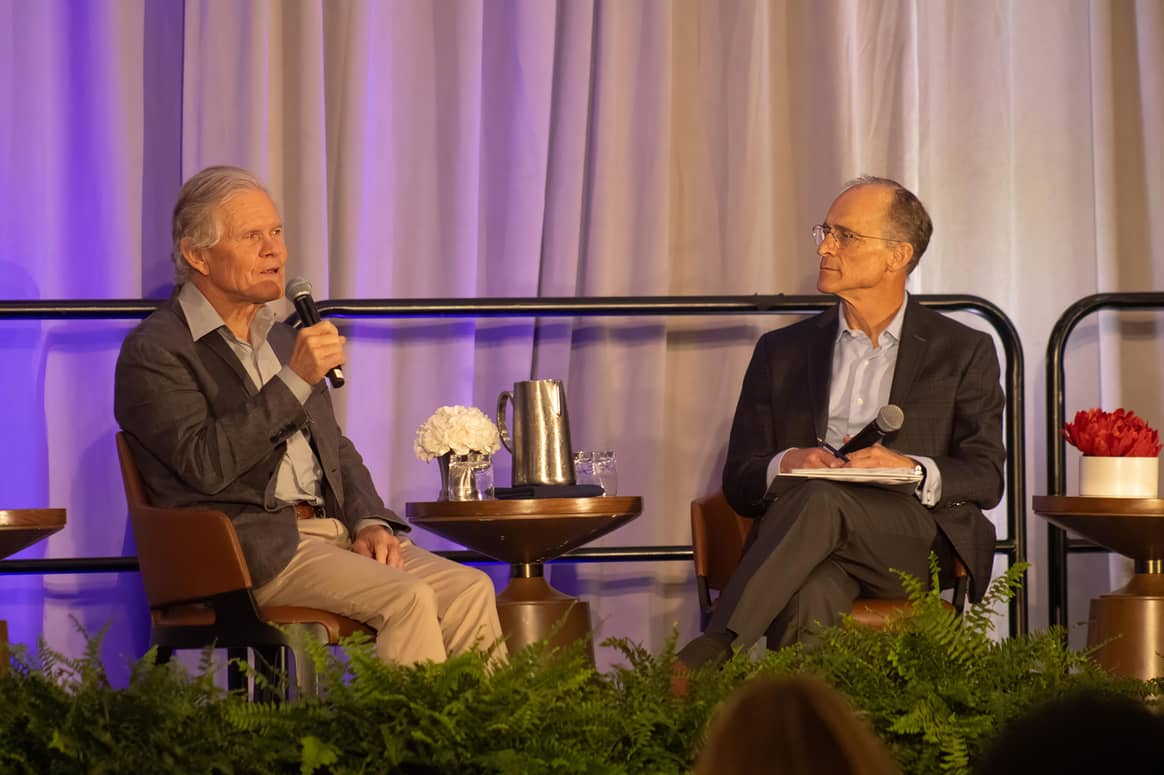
[710, 648]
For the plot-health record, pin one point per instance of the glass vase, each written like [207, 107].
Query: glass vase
[466, 477]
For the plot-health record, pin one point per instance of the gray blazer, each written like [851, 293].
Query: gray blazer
[205, 436]
[946, 382]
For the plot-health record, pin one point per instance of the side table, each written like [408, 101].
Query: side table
[20, 528]
[526, 533]
[1129, 621]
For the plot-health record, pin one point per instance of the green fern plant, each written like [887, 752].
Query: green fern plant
[933, 685]
[60, 714]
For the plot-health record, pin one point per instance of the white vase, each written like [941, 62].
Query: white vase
[1118, 477]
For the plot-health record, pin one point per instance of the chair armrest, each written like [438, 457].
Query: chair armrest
[187, 554]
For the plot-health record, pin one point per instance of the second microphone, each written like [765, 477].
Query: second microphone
[889, 419]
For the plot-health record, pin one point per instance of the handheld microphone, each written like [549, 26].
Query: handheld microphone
[889, 419]
[299, 294]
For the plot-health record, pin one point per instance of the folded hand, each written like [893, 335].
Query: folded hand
[878, 456]
[378, 543]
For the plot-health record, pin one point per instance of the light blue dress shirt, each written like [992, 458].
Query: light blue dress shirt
[862, 376]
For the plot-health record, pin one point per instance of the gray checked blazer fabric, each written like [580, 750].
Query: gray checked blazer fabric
[205, 436]
[946, 382]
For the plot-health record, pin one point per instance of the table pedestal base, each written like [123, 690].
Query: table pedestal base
[530, 610]
[1131, 620]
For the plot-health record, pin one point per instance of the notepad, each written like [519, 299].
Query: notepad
[861, 475]
[903, 480]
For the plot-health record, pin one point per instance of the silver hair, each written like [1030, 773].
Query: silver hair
[907, 214]
[196, 214]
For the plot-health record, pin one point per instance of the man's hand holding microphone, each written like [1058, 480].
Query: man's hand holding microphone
[319, 347]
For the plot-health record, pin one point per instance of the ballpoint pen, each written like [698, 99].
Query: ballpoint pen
[829, 448]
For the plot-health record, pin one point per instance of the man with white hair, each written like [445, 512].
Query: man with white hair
[226, 408]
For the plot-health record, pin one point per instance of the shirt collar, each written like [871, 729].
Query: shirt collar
[893, 330]
[202, 318]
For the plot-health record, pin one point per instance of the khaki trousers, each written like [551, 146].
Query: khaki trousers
[432, 608]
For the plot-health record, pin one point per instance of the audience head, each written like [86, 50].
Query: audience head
[792, 726]
[1086, 732]
[197, 217]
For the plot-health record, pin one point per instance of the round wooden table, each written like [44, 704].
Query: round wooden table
[20, 528]
[526, 533]
[23, 527]
[1127, 624]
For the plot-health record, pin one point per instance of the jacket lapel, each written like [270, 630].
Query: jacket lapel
[820, 368]
[213, 346]
[213, 350]
[910, 355]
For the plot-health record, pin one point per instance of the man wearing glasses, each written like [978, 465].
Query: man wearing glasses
[818, 544]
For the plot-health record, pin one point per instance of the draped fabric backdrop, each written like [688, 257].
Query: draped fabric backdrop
[459, 148]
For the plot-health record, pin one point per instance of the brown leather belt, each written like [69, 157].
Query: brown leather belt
[305, 510]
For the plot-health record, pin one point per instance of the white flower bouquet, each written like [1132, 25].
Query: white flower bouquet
[456, 429]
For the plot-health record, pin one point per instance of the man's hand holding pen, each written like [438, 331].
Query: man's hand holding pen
[809, 457]
[825, 456]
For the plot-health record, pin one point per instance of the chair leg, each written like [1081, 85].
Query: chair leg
[961, 587]
[269, 664]
[706, 605]
[306, 681]
[236, 677]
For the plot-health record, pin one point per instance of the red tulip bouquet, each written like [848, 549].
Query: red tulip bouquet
[1112, 434]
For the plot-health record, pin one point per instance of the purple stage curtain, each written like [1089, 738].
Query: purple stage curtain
[578, 147]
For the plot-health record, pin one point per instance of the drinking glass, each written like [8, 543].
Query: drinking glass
[606, 470]
[483, 479]
[584, 468]
[470, 477]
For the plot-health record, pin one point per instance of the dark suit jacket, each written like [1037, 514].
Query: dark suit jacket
[204, 436]
[946, 382]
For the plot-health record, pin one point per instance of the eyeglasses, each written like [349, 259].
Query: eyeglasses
[843, 236]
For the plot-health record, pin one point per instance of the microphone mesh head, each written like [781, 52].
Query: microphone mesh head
[890, 418]
[297, 287]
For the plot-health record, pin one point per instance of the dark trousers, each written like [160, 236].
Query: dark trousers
[817, 549]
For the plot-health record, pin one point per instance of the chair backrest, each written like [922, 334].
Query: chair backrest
[717, 536]
[184, 554]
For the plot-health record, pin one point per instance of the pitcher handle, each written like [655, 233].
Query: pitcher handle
[502, 430]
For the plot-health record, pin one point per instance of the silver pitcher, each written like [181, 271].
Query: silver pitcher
[541, 432]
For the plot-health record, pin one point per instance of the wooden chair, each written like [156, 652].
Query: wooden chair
[200, 593]
[718, 534]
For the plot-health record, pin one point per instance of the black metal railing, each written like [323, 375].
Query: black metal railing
[1013, 546]
[1058, 544]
